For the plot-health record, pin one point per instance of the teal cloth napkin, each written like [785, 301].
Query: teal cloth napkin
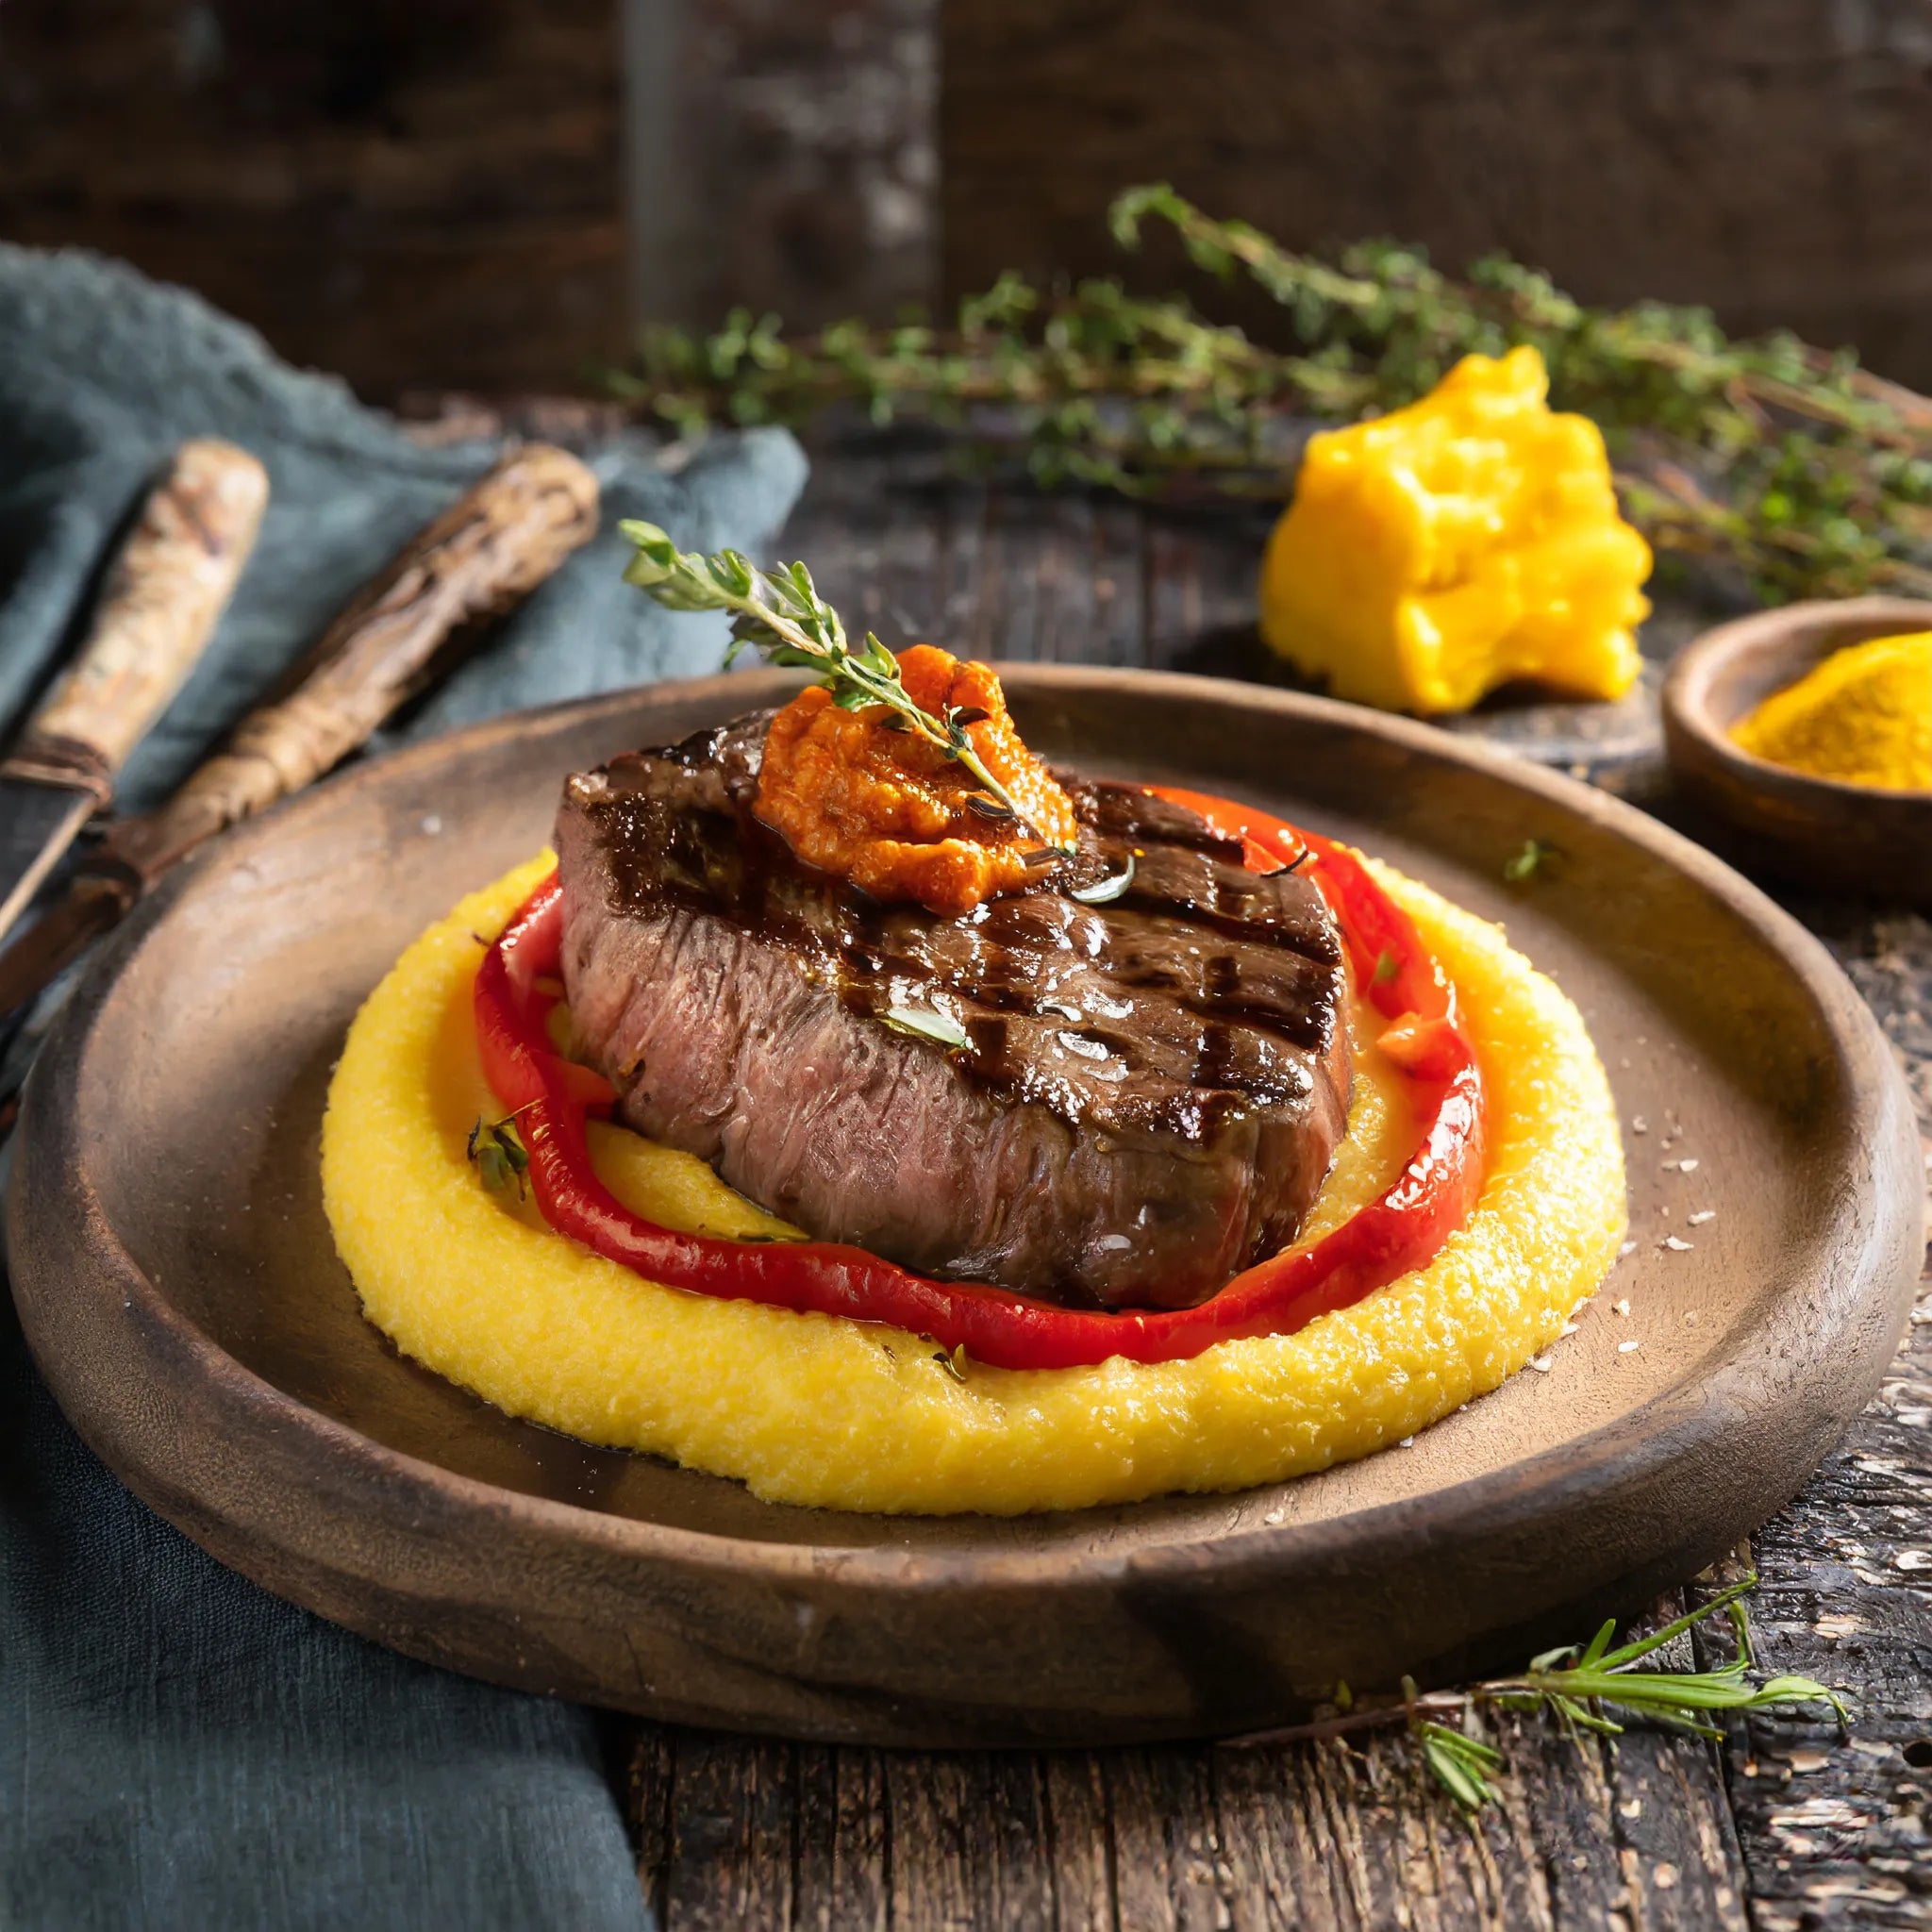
[178, 1748]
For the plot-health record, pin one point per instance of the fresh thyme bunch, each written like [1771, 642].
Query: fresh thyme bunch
[1795, 466]
[780, 614]
[1584, 1689]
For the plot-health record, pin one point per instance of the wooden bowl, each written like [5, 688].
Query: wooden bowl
[178, 1286]
[1815, 831]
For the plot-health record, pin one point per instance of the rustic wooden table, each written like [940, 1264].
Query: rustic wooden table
[1788, 1825]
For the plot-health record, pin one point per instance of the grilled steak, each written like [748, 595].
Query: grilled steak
[1150, 1089]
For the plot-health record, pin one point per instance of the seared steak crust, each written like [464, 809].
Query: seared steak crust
[1150, 1089]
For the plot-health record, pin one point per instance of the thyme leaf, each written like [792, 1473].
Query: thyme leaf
[1528, 862]
[925, 1023]
[1104, 891]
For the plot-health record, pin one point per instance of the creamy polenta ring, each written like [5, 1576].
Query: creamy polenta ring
[858, 1108]
[816, 1409]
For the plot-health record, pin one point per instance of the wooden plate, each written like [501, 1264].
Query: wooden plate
[1847, 838]
[178, 1286]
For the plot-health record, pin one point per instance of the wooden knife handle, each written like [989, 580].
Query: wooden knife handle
[163, 595]
[481, 556]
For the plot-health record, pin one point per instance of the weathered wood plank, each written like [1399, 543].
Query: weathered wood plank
[970, 1840]
[800, 145]
[1167, 1859]
[844, 1874]
[1061, 581]
[648, 1799]
[730, 1850]
[1200, 594]
[1326, 1836]
[1080, 1842]
[1567, 136]
[402, 195]
[887, 548]
[1837, 1830]
[1316, 1836]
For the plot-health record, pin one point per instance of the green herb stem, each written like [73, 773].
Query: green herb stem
[780, 614]
[1785, 461]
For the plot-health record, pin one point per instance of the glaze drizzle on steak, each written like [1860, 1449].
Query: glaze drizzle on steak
[1147, 1095]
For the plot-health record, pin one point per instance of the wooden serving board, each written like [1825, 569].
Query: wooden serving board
[178, 1286]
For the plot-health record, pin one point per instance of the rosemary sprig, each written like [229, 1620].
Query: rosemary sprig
[1789, 464]
[1588, 1688]
[1465, 1767]
[780, 614]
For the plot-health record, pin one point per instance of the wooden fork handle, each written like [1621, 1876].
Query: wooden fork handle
[494, 546]
[163, 595]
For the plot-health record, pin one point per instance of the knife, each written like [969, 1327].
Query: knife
[163, 595]
[494, 546]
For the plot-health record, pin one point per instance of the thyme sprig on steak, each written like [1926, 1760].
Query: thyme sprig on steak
[780, 614]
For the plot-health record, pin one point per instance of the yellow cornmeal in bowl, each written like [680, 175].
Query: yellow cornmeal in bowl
[815, 1409]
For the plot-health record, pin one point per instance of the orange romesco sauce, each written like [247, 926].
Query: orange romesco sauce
[888, 811]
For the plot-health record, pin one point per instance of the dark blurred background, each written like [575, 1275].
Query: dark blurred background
[491, 193]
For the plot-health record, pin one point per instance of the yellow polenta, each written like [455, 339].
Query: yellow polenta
[813, 1409]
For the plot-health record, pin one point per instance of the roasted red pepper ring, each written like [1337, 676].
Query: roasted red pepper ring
[1402, 1230]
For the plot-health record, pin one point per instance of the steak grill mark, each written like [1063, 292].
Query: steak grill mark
[1149, 1092]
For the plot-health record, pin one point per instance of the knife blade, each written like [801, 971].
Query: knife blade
[163, 596]
[494, 546]
[37, 822]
